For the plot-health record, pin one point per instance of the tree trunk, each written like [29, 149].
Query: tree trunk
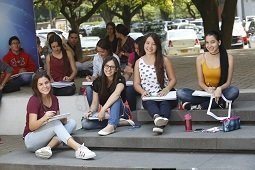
[164, 15]
[106, 14]
[209, 13]
[228, 18]
[126, 16]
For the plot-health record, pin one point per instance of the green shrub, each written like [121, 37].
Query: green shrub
[101, 32]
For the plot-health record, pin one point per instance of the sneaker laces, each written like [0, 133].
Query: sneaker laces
[84, 153]
[81, 151]
[196, 107]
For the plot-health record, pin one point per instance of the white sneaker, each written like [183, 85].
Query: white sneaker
[84, 153]
[160, 121]
[44, 152]
[158, 130]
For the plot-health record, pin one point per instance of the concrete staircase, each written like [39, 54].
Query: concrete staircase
[139, 148]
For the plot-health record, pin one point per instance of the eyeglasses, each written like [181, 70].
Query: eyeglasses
[109, 67]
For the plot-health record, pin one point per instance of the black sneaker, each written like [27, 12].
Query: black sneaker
[189, 106]
[186, 106]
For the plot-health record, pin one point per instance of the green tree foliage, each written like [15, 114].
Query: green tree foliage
[126, 9]
[75, 11]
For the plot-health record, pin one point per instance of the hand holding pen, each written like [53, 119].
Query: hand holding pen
[49, 114]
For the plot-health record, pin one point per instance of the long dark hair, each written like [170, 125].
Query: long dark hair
[140, 42]
[223, 57]
[159, 60]
[57, 39]
[112, 25]
[106, 45]
[37, 75]
[103, 79]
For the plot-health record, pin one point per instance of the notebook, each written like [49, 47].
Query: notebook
[201, 93]
[60, 116]
[170, 96]
[60, 84]
[17, 75]
[94, 116]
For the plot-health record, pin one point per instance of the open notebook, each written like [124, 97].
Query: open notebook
[170, 96]
[17, 75]
[94, 116]
[89, 83]
[201, 93]
[58, 117]
[60, 84]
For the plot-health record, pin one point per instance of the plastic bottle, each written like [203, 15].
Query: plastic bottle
[83, 91]
[188, 122]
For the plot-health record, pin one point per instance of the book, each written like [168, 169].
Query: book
[129, 83]
[201, 93]
[89, 83]
[17, 75]
[94, 116]
[60, 84]
[170, 96]
[60, 116]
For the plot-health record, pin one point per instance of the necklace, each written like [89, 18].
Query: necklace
[215, 53]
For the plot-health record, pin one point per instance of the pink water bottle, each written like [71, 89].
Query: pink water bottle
[83, 91]
[188, 122]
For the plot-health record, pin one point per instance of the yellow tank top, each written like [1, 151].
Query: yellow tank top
[211, 75]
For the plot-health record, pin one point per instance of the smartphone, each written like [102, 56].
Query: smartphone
[199, 130]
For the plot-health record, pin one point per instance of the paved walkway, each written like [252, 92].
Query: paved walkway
[186, 77]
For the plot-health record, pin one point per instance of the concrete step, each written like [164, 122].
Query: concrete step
[77, 105]
[124, 160]
[174, 138]
[244, 109]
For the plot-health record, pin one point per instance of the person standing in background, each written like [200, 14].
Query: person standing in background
[82, 62]
[111, 36]
[125, 45]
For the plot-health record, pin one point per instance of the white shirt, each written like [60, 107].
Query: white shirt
[148, 77]
[98, 62]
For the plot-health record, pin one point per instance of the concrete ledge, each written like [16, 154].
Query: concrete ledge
[244, 109]
[124, 160]
[13, 110]
[174, 138]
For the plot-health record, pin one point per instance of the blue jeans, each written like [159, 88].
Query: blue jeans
[24, 79]
[42, 136]
[185, 95]
[162, 108]
[89, 94]
[116, 111]
[11, 86]
[131, 95]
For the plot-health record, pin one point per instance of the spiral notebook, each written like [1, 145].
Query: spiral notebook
[60, 84]
[60, 116]
[170, 96]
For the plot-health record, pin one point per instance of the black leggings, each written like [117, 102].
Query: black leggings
[64, 91]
